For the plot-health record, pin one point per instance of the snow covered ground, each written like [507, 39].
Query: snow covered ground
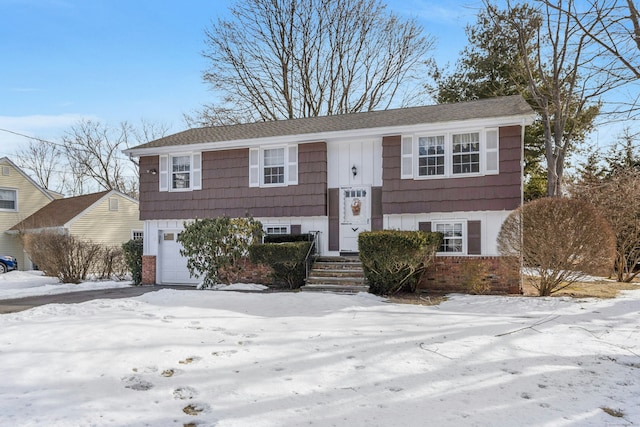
[19, 284]
[206, 358]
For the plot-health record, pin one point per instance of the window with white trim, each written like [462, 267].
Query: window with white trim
[8, 199]
[273, 166]
[181, 172]
[453, 237]
[450, 154]
[276, 229]
[137, 234]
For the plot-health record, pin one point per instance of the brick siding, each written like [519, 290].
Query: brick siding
[483, 275]
[148, 269]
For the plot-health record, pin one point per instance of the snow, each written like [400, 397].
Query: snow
[19, 284]
[174, 357]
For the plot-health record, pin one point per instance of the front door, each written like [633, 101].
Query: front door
[355, 215]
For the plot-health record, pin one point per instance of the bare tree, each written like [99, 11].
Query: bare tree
[564, 77]
[561, 240]
[43, 159]
[303, 58]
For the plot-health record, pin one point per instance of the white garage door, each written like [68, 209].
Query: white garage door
[172, 266]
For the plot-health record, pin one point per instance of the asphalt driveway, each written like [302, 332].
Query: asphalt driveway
[20, 304]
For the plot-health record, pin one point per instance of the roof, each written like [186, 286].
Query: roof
[49, 194]
[58, 212]
[508, 106]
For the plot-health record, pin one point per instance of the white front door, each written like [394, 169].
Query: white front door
[355, 215]
[172, 265]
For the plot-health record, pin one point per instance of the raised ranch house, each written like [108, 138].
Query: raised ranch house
[454, 168]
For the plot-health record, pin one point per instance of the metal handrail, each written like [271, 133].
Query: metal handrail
[312, 249]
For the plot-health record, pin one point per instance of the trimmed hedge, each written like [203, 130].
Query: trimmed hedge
[394, 260]
[286, 260]
[284, 238]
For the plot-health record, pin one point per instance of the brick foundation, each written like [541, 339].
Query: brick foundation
[475, 275]
[247, 272]
[148, 269]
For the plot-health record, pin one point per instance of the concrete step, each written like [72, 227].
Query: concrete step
[341, 281]
[334, 288]
[321, 272]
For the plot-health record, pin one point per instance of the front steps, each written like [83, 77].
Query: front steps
[342, 274]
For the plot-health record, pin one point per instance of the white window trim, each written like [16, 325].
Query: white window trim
[15, 190]
[133, 233]
[448, 152]
[287, 227]
[465, 236]
[256, 170]
[166, 172]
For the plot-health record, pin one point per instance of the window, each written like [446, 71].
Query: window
[181, 172]
[450, 155]
[466, 153]
[137, 234]
[273, 170]
[431, 155]
[453, 239]
[8, 199]
[276, 229]
[273, 166]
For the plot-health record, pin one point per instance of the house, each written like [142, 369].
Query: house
[454, 168]
[20, 196]
[108, 217]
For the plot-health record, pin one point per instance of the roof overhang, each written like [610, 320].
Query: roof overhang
[375, 132]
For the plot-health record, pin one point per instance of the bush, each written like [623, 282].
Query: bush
[282, 238]
[286, 259]
[133, 259]
[474, 277]
[110, 263]
[214, 244]
[63, 256]
[561, 240]
[394, 260]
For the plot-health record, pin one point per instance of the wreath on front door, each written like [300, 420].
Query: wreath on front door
[356, 204]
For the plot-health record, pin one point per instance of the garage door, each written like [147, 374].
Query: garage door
[172, 265]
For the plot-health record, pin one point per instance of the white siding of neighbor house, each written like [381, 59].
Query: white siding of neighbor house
[102, 225]
[490, 223]
[30, 199]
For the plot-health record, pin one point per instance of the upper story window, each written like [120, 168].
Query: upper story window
[273, 166]
[273, 170]
[451, 154]
[181, 172]
[8, 199]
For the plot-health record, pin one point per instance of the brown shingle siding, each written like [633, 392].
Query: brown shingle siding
[226, 191]
[489, 192]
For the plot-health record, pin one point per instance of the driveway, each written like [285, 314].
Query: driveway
[20, 304]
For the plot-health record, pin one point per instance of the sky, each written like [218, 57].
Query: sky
[120, 60]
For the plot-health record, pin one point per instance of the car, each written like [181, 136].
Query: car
[8, 263]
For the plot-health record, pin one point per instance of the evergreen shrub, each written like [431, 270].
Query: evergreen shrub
[394, 260]
[286, 259]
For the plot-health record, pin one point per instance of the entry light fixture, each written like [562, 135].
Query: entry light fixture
[152, 171]
[354, 170]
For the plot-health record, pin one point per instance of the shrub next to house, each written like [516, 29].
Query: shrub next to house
[393, 260]
[133, 257]
[287, 260]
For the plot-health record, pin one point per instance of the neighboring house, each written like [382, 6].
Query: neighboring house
[109, 217]
[454, 168]
[20, 197]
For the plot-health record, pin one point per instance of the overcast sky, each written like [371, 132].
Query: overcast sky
[117, 60]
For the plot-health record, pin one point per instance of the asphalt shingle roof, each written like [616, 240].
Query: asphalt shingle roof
[58, 212]
[485, 108]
